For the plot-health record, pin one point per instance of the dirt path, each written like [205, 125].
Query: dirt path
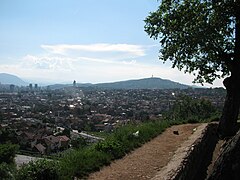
[146, 161]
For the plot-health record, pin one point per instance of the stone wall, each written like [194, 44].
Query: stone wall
[191, 160]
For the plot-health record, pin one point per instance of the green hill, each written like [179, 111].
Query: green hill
[147, 83]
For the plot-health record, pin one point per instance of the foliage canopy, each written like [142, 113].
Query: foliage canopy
[192, 110]
[197, 36]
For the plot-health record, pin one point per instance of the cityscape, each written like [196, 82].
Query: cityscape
[44, 121]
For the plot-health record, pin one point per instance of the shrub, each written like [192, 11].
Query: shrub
[80, 142]
[6, 171]
[81, 162]
[7, 152]
[39, 170]
[112, 147]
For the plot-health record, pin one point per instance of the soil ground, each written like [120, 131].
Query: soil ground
[146, 161]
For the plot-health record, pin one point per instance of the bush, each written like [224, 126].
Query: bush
[112, 147]
[6, 171]
[7, 152]
[80, 142]
[39, 170]
[79, 163]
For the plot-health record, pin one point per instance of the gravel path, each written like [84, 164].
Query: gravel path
[146, 161]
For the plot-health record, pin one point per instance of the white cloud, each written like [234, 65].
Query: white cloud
[135, 50]
[59, 62]
[97, 60]
[104, 61]
[47, 62]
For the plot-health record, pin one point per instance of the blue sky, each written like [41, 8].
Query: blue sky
[55, 41]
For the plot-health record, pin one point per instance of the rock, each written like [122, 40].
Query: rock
[176, 132]
[194, 130]
[227, 165]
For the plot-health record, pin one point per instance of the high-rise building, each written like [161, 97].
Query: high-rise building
[12, 87]
[74, 83]
[30, 86]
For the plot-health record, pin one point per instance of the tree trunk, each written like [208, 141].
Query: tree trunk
[228, 122]
[227, 165]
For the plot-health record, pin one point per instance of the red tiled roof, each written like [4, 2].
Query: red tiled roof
[63, 138]
[40, 148]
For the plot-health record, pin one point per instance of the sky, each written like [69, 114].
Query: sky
[90, 41]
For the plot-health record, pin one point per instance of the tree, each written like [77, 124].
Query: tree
[192, 110]
[202, 37]
[80, 142]
[66, 132]
[8, 135]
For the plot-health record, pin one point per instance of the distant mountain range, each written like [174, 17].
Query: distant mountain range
[11, 79]
[147, 83]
